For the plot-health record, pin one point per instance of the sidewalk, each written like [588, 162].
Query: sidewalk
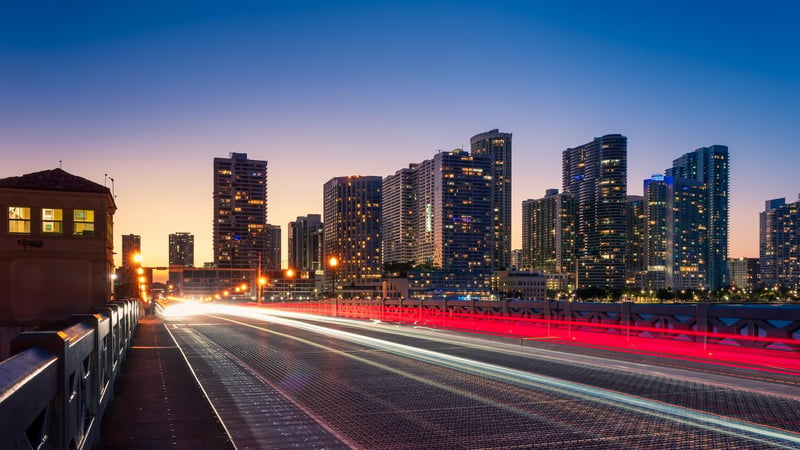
[157, 403]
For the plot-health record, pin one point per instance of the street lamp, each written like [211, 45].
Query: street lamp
[262, 281]
[290, 277]
[333, 263]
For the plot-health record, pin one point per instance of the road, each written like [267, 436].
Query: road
[302, 382]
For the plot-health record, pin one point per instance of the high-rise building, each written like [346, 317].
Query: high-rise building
[452, 219]
[674, 235]
[687, 236]
[397, 226]
[779, 244]
[745, 273]
[497, 147]
[548, 237]
[352, 232]
[305, 243]
[657, 190]
[709, 165]
[516, 259]
[131, 246]
[240, 211]
[635, 264]
[596, 175]
[181, 249]
[271, 259]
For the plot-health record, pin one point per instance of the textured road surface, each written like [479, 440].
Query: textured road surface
[301, 383]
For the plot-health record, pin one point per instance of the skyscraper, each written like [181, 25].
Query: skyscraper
[687, 236]
[131, 245]
[779, 244]
[271, 259]
[397, 226]
[181, 249]
[709, 165]
[657, 191]
[596, 174]
[453, 218]
[635, 265]
[305, 243]
[548, 238]
[352, 224]
[497, 147]
[240, 211]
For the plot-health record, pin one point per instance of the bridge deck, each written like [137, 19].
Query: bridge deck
[157, 402]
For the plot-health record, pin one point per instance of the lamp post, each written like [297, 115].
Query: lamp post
[262, 281]
[333, 263]
[290, 277]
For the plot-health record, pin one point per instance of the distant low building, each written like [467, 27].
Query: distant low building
[56, 249]
[521, 285]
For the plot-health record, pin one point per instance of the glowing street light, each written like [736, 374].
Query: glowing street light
[333, 263]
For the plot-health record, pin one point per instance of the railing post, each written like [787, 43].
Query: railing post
[701, 323]
[625, 319]
[76, 420]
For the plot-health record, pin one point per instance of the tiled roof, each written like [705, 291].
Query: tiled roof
[52, 180]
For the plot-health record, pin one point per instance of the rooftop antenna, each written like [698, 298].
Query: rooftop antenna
[59, 164]
[105, 180]
[112, 187]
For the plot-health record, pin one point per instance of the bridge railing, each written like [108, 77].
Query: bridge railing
[56, 385]
[765, 327]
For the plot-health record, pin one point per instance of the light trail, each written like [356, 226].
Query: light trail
[720, 424]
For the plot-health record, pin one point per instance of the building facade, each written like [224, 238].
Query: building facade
[305, 243]
[240, 211]
[709, 165]
[635, 265]
[271, 259]
[596, 175]
[397, 226]
[779, 244]
[131, 246]
[181, 249]
[548, 237]
[496, 146]
[352, 233]
[453, 221]
[56, 249]
[745, 273]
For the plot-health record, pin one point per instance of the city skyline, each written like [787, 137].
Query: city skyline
[143, 98]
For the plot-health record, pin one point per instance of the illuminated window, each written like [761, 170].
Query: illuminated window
[83, 220]
[19, 220]
[52, 221]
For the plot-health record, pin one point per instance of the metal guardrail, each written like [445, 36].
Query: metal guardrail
[774, 327]
[57, 385]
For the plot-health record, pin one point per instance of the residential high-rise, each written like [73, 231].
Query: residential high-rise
[397, 226]
[271, 259]
[497, 147]
[596, 175]
[305, 243]
[779, 244]
[635, 263]
[181, 249]
[240, 211]
[352, 224]
[687, 237]
[452, 219]
[131, 246]
[657, 190]
[745, 273]
[709, 165]
[548, 237]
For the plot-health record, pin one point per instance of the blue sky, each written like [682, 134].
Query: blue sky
[150, 93]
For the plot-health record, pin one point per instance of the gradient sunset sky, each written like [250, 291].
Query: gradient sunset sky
[150, 92]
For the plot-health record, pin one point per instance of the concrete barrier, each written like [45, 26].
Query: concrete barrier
[55, 387]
